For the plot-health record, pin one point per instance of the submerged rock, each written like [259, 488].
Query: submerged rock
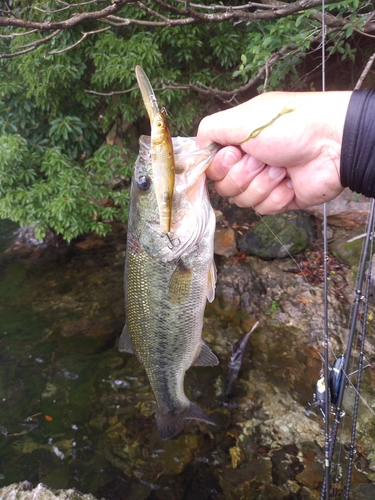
[311, 476]
[25, 491]
[225, 242]
[294, 230]
[93, 328]
[247, 481]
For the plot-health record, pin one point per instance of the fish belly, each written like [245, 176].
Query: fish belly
[163, 328]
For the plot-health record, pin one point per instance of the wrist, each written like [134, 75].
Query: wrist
[357, 164]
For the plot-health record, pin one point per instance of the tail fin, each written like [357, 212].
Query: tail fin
[169, 424]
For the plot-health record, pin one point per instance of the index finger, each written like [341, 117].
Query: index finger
[223, 127]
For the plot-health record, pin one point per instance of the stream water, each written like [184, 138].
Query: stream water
[74, 412]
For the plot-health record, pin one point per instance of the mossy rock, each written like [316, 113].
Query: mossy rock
[346, 251]
[278, 236]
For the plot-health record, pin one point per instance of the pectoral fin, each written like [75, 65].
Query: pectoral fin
[125, 343]
[206, 357]
[180, 284]
[211, 283]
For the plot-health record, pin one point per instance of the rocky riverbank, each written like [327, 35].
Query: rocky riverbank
[76, 413]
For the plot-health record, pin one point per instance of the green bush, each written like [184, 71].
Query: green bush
[61, 96]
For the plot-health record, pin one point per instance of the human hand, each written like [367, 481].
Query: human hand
[292, 159]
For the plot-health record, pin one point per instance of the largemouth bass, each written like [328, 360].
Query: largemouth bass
[168, 277]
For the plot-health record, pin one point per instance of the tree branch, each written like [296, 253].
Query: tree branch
[365, 72]
[238, 14]
[74, 20]
[226, 96]
[84, 35]
[31, 46]
[170, 14]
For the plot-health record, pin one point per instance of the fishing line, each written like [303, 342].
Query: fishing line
[327, 462]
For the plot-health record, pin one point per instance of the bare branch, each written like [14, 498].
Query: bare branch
[13, 35]
[120, 21]
[249, 5]
[177, 13]
[228, 14]
[84, 35]
[67, 6]
[365, 72]
[113, 92]
[31, 46]
[68, 23]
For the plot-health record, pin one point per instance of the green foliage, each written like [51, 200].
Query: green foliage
[274, 307]
[56, 192]
[55, 167]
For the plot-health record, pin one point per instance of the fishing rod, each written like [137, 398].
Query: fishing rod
[337, 380]
[344, 369]
[361, 353]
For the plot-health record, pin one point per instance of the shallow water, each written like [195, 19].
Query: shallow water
[76, 413]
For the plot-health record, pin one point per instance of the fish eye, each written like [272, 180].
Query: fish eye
[144, 183]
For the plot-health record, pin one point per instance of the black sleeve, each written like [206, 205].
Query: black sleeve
[357, 163]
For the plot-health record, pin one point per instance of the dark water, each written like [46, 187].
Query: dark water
[76, 413]
[8, 229]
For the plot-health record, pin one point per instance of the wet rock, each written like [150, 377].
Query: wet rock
[362, 492]
[178, 453]
[90, 243]
[225, 242]
[306, 494]
[240, 216]
[238, 288]
[347, 210]
[346, 247]
[292, 487]
[246, 481]
[311, 476]
[270, 491]
[237, 456]
[90, 328]
[294, 230]
[25, 491]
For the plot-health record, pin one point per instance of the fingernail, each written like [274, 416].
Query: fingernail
[229, 159]
[276, 172]
[252, 164]
[289, 183]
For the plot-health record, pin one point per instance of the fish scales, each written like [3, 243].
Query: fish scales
[167, 280]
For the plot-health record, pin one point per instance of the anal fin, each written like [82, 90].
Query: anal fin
[125, 343]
